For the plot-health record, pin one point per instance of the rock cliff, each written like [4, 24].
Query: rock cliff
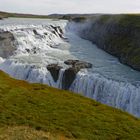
[116, 34]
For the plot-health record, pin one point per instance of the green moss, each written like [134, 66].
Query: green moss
[135, 60]
[122, 19]
[130, 20]
[61, 112]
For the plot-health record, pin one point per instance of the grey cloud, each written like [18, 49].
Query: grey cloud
[70, 6]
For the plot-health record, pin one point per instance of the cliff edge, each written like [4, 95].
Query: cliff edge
[116, 34]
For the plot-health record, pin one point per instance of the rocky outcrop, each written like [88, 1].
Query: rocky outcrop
[57, 30]
[116, 34]
[69, 73]
[35, 32]
[78, 64]
[54, 70]
[68, 77]
[7, 46]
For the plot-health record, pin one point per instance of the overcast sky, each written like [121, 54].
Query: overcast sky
[70, 6]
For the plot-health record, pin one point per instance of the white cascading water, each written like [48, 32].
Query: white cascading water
[108, 82]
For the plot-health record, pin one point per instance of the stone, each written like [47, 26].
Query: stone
[68, 77]
[71, 62]
[54, 69]
[35, 32]
[79, 64]
[70, 73]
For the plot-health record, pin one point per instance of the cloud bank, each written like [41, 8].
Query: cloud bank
[70, 6]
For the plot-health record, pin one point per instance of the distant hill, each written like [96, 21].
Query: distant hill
[6, 15]
[57, 16]
[70, 16]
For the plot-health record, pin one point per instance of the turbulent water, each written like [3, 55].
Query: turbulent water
[39, 44]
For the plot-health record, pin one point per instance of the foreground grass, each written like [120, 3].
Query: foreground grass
[43, 110]
[27, 133]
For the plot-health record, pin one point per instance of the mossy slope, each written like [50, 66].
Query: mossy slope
[47, 109]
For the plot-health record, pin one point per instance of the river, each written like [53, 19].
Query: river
[108, 82]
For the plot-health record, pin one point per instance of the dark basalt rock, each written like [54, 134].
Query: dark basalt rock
[35, 32]
[68, 77]
[70, 73]
[54, 70]
[71, 62]
[28, 50]
[78, 64]
[45, 33]
[57, 30]
[60, 30]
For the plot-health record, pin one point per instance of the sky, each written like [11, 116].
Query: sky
[70, 6]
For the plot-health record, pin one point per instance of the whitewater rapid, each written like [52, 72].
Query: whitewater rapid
[38, 45]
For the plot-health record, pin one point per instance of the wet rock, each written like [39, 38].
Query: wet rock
[83, 65]
[28, 50]
[45, 33]
[54, 32]
[54, 70]
[35, 32]
[57, 30]
[71, 62]
[61, 31]
[70, 73]
[34, 50]
[68, 77]
[78, 64]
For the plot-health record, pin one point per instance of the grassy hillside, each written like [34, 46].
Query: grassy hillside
[3, 15]
[29, 111]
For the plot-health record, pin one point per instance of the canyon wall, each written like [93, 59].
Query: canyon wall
[116, 34]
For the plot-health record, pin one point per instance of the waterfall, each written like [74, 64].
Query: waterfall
[40, 45]
[121, 95]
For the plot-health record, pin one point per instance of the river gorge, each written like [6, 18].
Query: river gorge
[35, 44]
